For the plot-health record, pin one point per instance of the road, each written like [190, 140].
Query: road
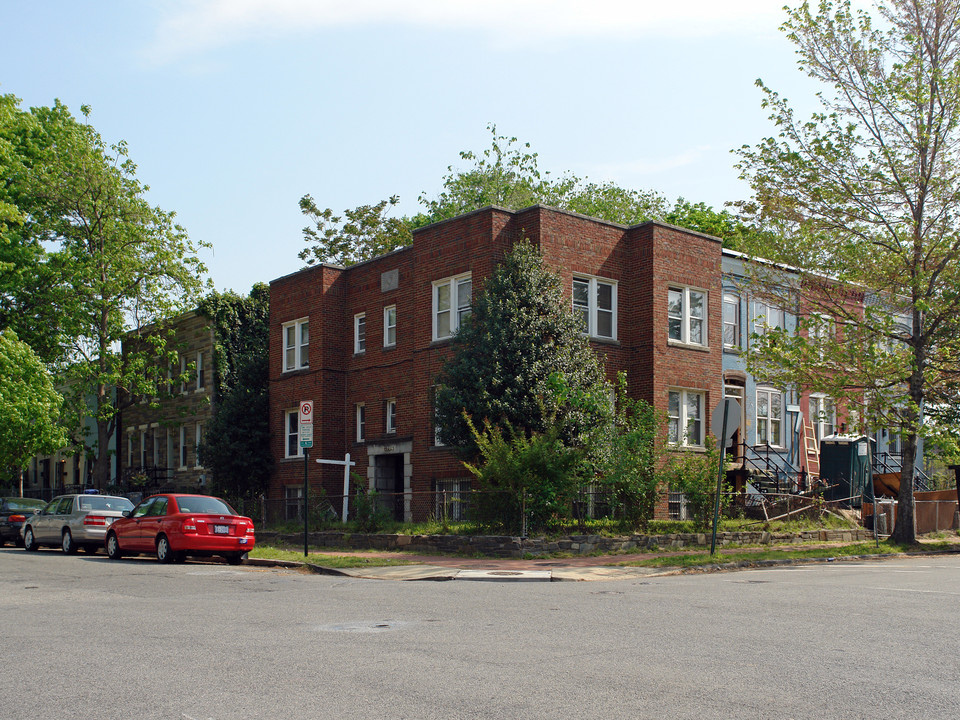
[89, 638]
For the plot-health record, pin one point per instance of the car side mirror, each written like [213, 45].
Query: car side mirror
[37, 511]
[126, 513]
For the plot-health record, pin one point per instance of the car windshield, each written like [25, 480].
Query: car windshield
[24, 504]
[105, 502]
[204, 506]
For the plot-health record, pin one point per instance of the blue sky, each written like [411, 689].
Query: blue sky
[234, 109]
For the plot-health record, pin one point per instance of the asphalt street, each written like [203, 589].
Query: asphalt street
[90, 638]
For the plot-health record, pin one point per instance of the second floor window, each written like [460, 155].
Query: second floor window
[731, 320]
[390, 326]
[296, 343]
[769, 417]
[686, 315]
[200, 377]
[359, 333]
[183, 447]
[766, 317]
[595, 301]
[451, 304]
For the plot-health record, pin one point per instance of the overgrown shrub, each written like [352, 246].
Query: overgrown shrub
[695, 475]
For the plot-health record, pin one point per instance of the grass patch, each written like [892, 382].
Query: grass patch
[268, 552]
[697, 559]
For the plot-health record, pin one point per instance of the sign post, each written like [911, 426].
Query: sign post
[306, 442]
[723, 423]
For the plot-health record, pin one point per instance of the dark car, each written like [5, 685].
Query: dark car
[13, 511]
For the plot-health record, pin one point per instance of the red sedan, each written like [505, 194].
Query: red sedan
[176, 525]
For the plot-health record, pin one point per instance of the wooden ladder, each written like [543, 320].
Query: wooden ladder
[812, 450]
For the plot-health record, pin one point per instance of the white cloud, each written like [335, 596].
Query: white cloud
[195, 26]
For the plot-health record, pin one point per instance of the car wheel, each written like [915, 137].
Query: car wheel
[67, 543]
[164, 553]
[29, 542]
[113, 547]
[234, 558]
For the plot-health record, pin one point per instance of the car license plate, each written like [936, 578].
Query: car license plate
[221, 529]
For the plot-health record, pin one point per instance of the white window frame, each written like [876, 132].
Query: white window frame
[360, 424]
[359, 333]
[390, 416]
[762, 313]
[200, 378]
[687, 322]
[291, 430]
[731, 300]
[390, 326]
[296, 350]
[169, 450]
[821, 417]
[821, 330]
[457, 309]
[197, 437]
[155, 448]
[143, 447]
[591, 310]
[679, 421]
[183, 374]
[182, 449]
[293, 498]
[765, 423]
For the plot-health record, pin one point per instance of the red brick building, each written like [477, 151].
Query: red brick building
[366, 343]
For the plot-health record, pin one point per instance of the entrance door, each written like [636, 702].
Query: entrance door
[736, 391]
[388, 482]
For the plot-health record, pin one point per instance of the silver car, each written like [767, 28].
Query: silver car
[73, 522]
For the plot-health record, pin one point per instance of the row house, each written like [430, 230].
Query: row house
[158, 437]
[366, 343]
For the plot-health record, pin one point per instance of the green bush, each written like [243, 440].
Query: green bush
[695, 475]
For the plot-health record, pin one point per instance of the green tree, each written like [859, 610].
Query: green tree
[115, 266]
[520, 334]
[695, 475]
[506, 174]
[29, 405]
[236, 445]
[357, 235]
[865, 193]
[634, 466]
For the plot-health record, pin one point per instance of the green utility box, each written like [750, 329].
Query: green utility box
[845, 468]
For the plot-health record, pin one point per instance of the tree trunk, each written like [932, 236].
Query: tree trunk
[101, 466]
[905, 531]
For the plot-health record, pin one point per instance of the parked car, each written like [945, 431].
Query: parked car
[74, 522]
[13, 511]
[176, 525]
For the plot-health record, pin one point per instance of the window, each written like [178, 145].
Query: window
[168, 460]
[292, 421]
[143, 448]
[596, 303]
[451, 304]
[686, 315]
[359, 333]
[200, 371]
[391, 415]
[183, 447]
[766, 317]
[296, 343]
[823, 415]
[183, 374]
[155, 440]
[731, 320]
[390, 326]
[293, 501]
[820, 332]
[685, 418]
[198, 437]
[769, 417]
[361, 414]
[130, 448]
